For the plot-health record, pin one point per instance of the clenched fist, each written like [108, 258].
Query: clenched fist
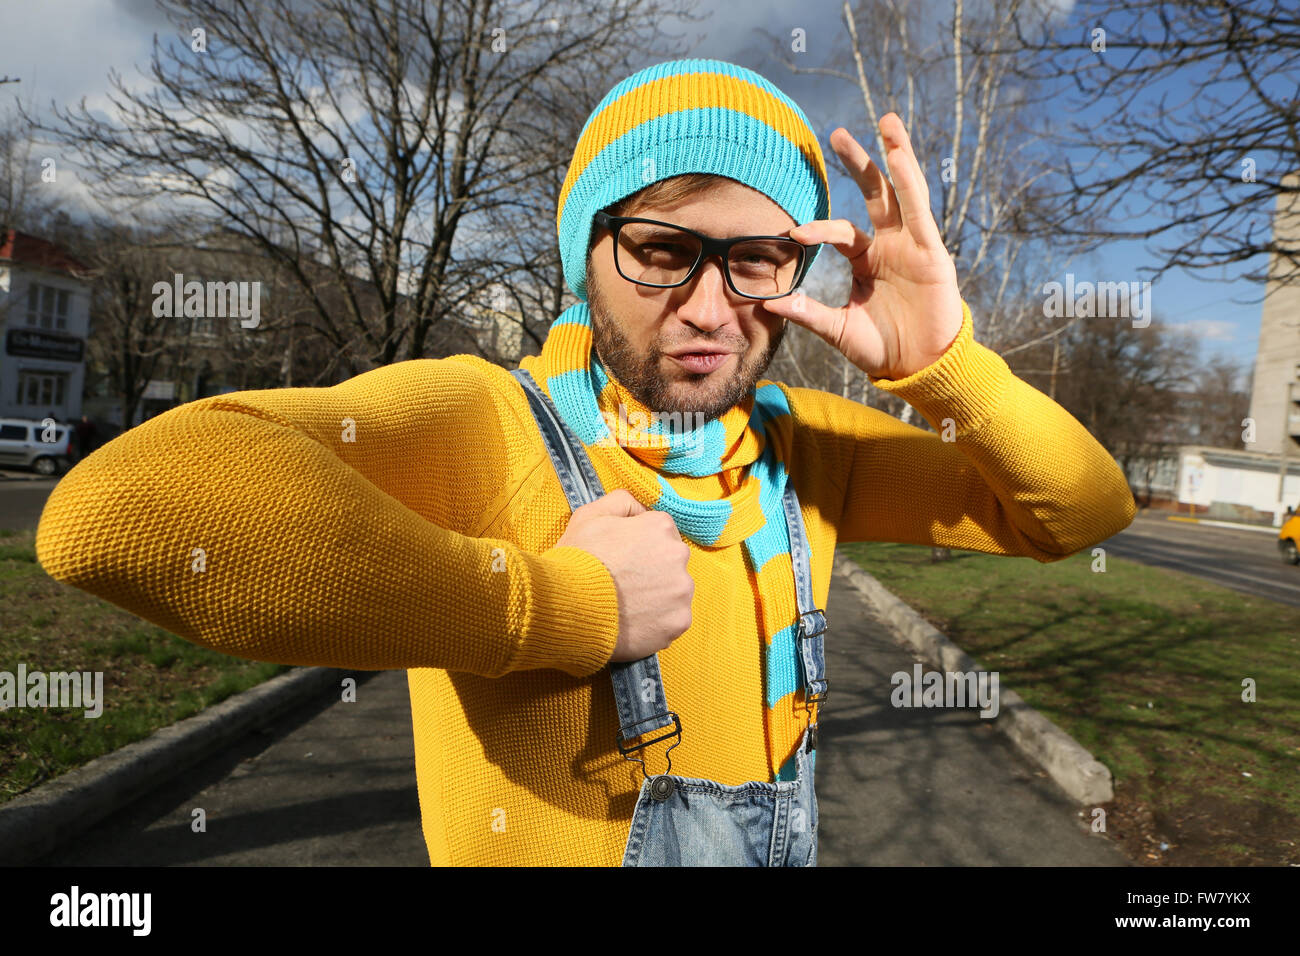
[646, 556]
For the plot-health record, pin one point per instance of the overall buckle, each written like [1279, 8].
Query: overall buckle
[804, 634]
[809, 630]
[620, 740]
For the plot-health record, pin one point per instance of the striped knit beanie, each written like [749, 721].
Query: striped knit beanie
[689, 116]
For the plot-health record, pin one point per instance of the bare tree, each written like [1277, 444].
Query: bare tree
[28, 202]
[1128, 386]
[128, 346]
[1201, 171]
[1220, 405]
[359, 143]
[16, 172]
[527, 283]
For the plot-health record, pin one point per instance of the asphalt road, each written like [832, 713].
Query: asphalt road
[1246, 561]
[21, 499]
[329, 784]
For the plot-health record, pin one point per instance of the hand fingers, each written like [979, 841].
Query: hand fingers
[909, 182]
[882, 205]
[806, 311]
[851, 241]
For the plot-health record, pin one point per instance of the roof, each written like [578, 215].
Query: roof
[19, 247]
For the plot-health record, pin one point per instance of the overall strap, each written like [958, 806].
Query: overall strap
[812, 619]
[638, 686]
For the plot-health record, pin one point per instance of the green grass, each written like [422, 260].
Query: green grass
[151, 678]
[1143, 666]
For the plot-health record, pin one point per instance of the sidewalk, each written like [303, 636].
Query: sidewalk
[922, 786]
[328, 784]
[333, 784]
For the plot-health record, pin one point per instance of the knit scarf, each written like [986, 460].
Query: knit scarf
[721, 483]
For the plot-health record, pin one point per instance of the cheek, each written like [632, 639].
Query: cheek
[762, 332]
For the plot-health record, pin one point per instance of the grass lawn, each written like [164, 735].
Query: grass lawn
[1144, 667]
[151, 678]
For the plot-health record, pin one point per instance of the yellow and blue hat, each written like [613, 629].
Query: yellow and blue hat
[689, 116]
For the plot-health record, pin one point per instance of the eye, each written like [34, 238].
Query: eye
[666, 250]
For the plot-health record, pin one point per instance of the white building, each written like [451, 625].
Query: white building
[45, 317]
[1219, 483]
[1275, 398]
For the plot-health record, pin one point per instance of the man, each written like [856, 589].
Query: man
[413, 516]
[85, 432]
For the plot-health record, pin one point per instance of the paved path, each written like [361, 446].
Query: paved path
[334, 783]
[927, 786]
[330, 784]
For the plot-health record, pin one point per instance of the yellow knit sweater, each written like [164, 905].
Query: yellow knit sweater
[407, 519]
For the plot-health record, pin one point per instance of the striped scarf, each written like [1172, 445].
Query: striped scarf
[721, 483]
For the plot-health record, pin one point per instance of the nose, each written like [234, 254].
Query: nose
[707, 302]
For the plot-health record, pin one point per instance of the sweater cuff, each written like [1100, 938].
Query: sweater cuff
[964, 384]
[571, 622]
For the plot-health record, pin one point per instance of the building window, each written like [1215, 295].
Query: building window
[40, 390]
[47, 307]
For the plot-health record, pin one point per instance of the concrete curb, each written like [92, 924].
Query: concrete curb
[40, 821]
[1227, 524]
[1074, 769]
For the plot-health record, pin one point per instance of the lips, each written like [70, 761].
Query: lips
[700, 351]
[701, 363]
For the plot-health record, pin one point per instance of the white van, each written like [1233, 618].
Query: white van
[21, 446]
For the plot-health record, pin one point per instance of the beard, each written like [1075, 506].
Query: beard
[692, 394]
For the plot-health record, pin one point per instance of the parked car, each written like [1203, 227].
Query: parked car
[1288, 536]
[21, 446]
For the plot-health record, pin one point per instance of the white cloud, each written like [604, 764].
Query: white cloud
[1211, 330]
[64, 49]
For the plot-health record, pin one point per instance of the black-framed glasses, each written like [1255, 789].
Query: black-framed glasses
[663, 256]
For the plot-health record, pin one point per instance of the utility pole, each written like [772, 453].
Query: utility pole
[1286, 440]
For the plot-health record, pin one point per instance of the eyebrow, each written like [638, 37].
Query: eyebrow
[650, 230]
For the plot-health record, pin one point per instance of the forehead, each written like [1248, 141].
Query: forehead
[726, 208]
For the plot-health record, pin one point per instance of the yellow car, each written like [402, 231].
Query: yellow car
[1288, 536]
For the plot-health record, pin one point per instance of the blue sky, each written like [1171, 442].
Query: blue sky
[63, 50]
[1205, 307]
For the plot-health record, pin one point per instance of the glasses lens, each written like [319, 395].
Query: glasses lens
[662, 255]
[765, 267]
[656, 255]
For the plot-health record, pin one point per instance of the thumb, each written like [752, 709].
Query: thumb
[802, 309]
[619, 503]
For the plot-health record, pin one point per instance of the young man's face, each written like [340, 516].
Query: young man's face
[637, 330]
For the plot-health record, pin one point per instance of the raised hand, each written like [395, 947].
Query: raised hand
[904, 309]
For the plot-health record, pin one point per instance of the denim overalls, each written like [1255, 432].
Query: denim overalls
[684, 821]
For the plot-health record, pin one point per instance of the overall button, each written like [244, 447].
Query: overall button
[662, 787]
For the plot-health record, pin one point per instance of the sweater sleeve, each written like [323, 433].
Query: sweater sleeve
[331, 526]
[1010, 471]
